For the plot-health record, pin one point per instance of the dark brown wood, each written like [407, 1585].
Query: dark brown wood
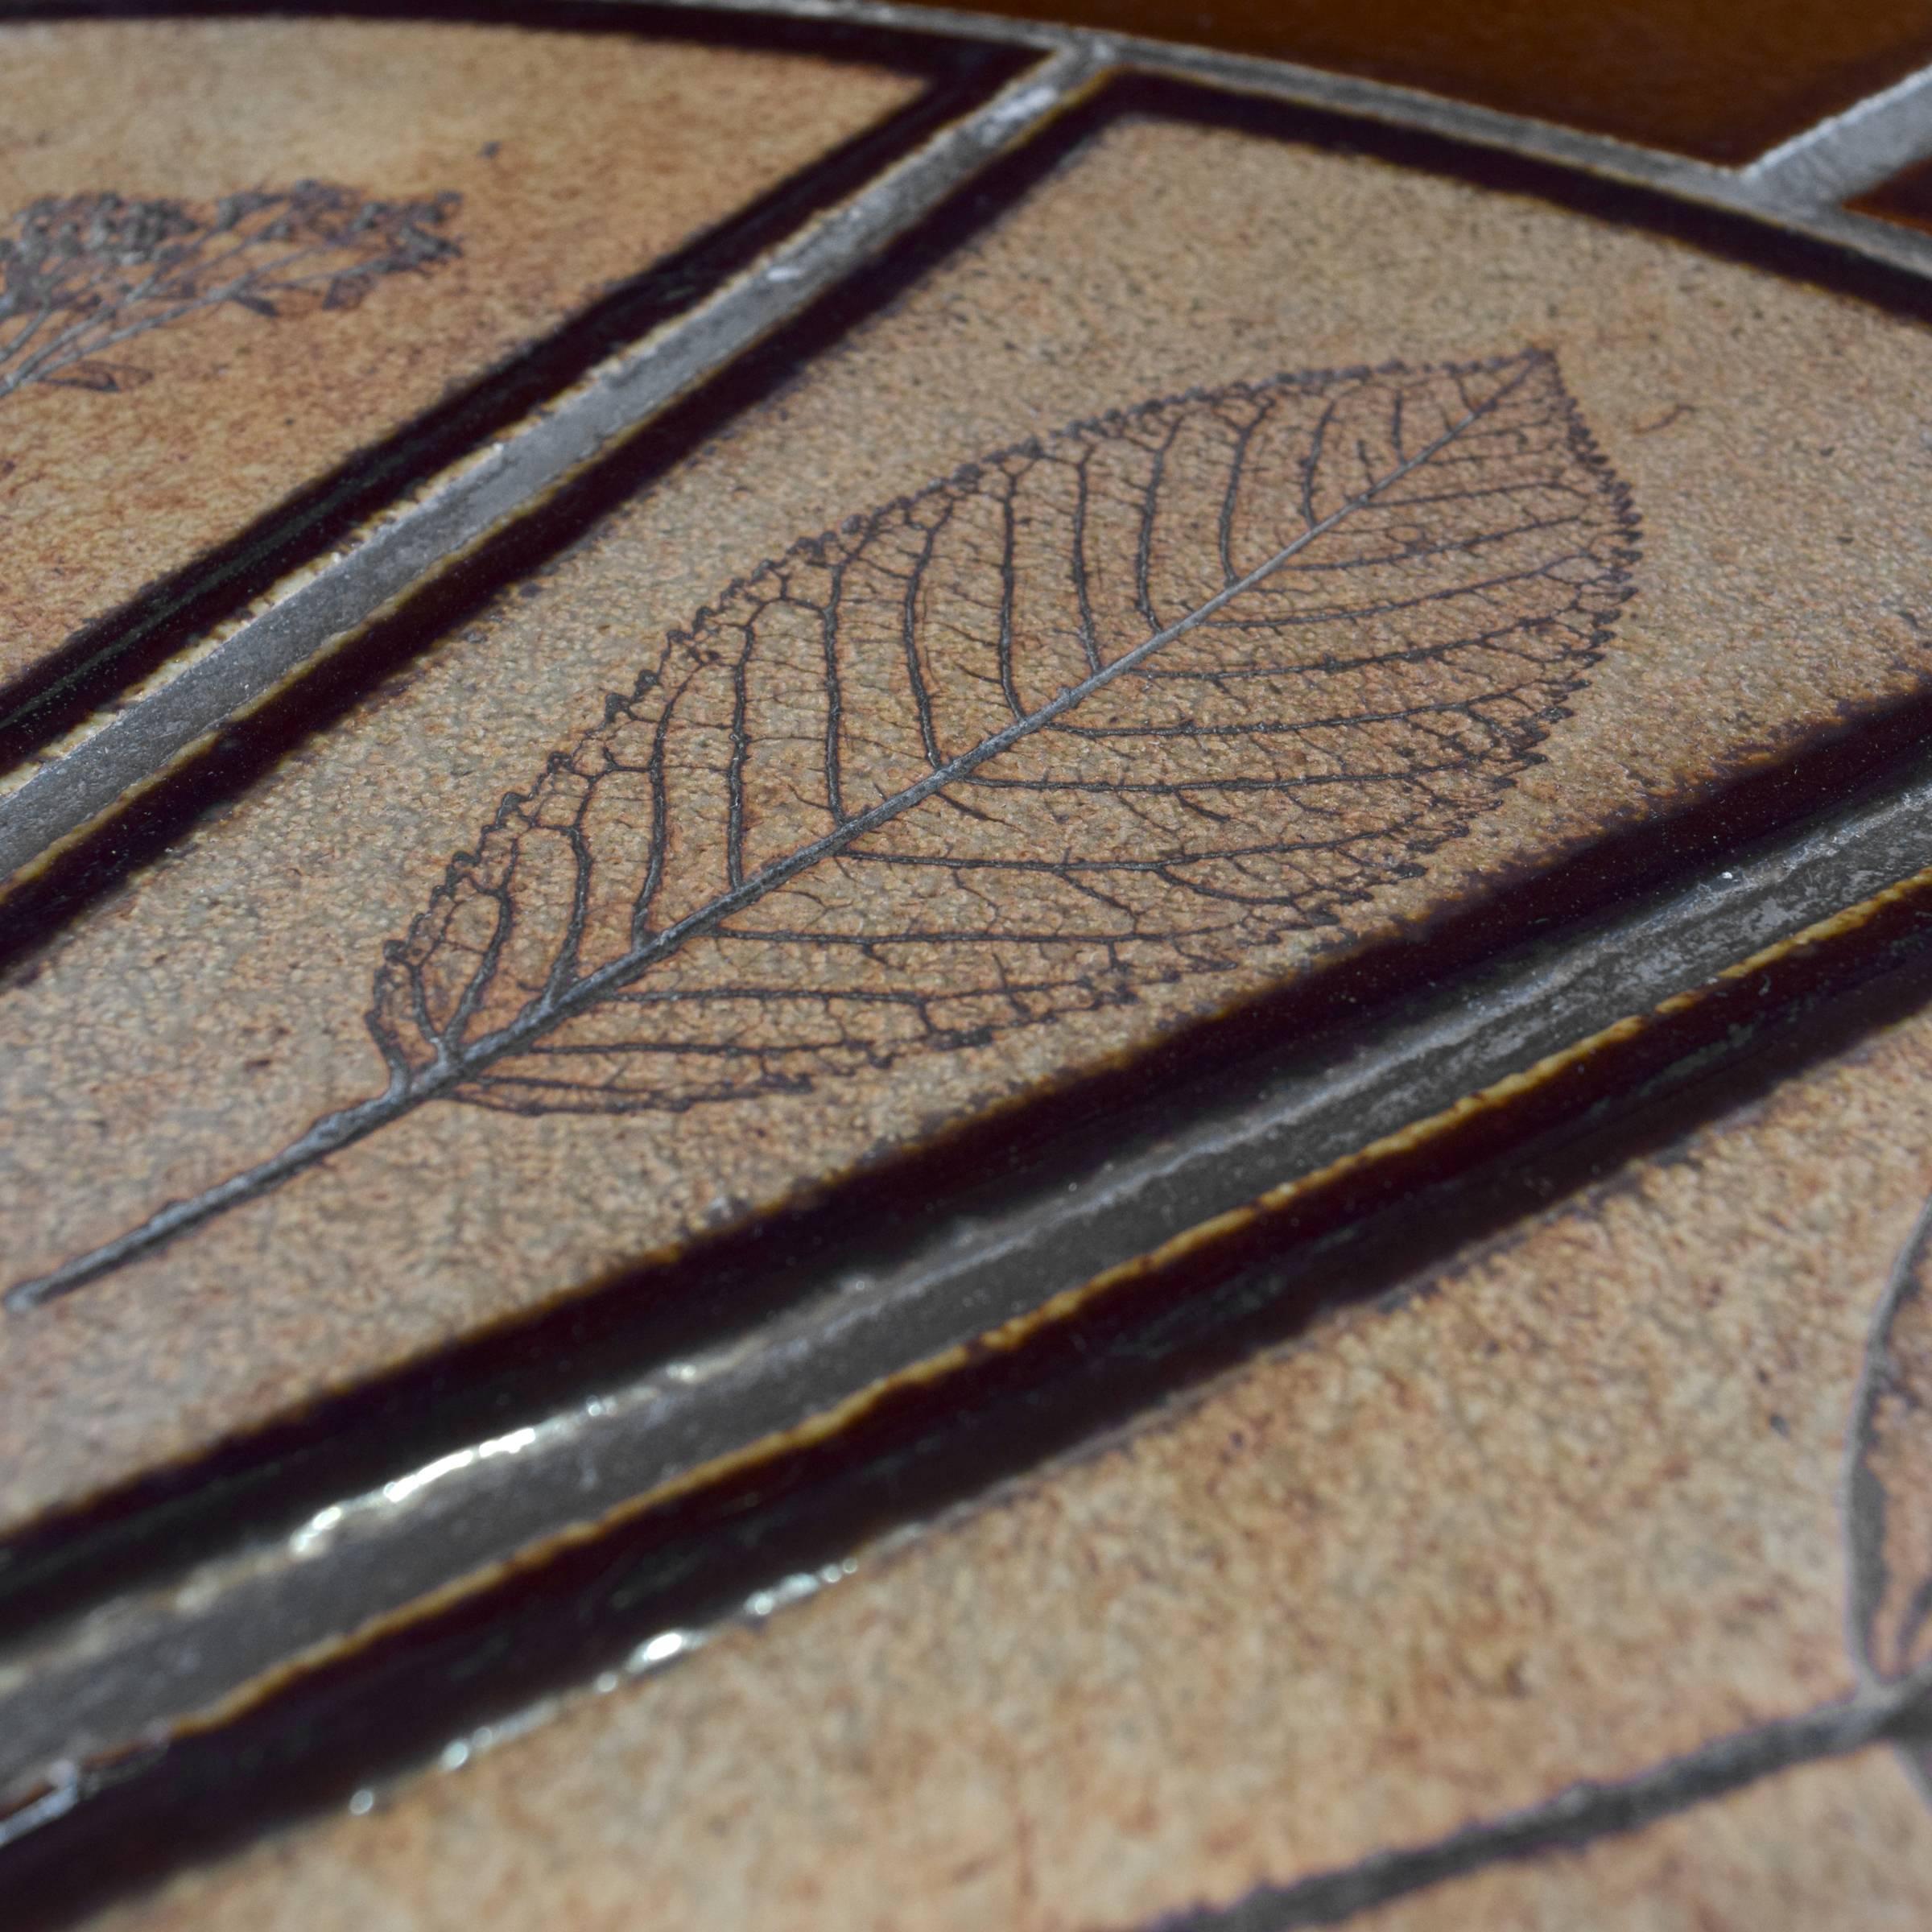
[1906, 197]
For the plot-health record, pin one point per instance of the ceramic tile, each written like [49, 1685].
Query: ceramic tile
[1446, 689]
[240, 251]
[1569, 1507]
[1722, 79]
[1832, 1844]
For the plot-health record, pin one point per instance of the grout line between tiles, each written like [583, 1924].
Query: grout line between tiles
[651, 1590]
[152, 1654]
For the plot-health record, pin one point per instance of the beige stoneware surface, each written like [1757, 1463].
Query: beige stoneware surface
[579, 157]
[203, 1016]
[1565, 1509]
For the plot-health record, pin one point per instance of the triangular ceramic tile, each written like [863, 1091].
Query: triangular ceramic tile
[239, 251]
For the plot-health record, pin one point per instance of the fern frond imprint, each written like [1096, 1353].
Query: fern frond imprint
[1100, 710]
[83, 274]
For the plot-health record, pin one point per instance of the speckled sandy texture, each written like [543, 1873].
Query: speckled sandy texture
[1840, 1845]
[202, 1018]
[579, 158]
[1567, 1508]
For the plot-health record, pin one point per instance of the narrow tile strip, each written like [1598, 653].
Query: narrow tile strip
[1849, 153]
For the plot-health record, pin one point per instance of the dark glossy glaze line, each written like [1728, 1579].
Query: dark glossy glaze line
[939, 1437]
[117, 649]
[1027, 1241]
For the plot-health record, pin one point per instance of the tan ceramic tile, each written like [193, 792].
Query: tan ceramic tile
[1431, 646]
[1568, 1508]
[523, 174]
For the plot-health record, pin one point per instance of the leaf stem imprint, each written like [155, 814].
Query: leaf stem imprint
[1580, 1814]
[1887, 1465]
[455, 1051]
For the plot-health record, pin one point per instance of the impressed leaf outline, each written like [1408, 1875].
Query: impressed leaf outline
[1888, 1524]
[1012, 745]
[82, 275]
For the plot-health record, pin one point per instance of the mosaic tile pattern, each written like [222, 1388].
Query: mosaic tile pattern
[1228, 555]
[1478, 699]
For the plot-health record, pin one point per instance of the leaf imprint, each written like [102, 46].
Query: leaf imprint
[83, 273]
[1098, 710]
[1888, 1492]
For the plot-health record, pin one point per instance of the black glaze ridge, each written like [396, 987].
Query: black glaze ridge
[314, 1739]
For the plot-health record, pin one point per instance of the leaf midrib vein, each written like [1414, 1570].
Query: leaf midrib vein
[543, 1014]
[451, 1068]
